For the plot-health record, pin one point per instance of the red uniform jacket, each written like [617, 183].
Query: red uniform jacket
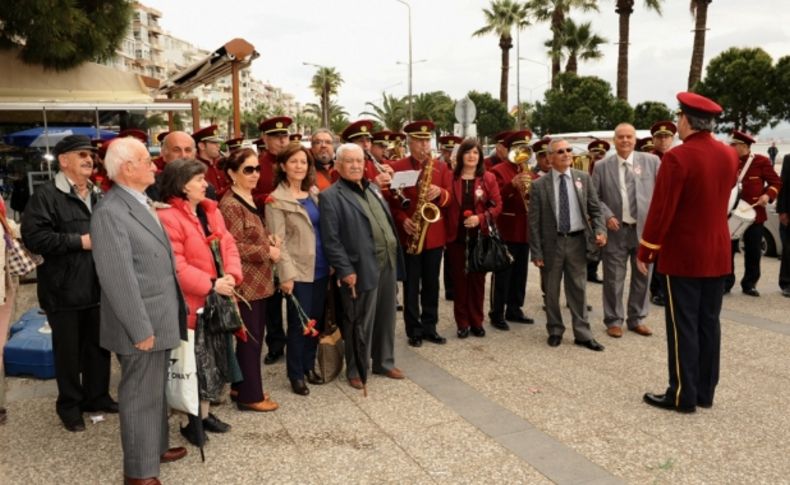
[215, 176]
[266, 181]
[761, 178]
[159, 162]
[512, 222]
[487, 199]
[492, 161]
[442, 177]
[687, 220]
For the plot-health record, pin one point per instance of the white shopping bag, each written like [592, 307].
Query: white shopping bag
[182, 380]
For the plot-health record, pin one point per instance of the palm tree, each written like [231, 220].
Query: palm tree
[555, 11]
[215, 111]
[335, 111]
[624, 9]
[325, 84]
[699, 10]
[579, 42]
[391, 113]
[501, 19]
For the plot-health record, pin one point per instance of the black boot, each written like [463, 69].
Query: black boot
[194, 432]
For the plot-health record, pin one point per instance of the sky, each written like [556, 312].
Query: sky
[365, 40]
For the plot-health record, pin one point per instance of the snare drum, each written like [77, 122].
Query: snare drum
[740, 219]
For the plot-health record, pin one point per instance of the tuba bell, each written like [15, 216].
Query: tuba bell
[520, 156]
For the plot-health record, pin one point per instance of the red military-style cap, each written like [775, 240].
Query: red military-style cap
[517, 138]
[601, 146]
[278, 124]
[398, 136]
[357, 129]
[134, 133]
[209, 134]
[383, 138]
[295, 137]
[101, 146]
[541, 146]
[448, 142]
[161, 136]
[420, 129]
[260, 145]
[698, 105]
[235, 143]
[502, 136]
[741, 137]
[645, 144]
[663, 128]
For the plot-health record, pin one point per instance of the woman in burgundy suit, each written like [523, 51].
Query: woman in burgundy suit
[475, 195]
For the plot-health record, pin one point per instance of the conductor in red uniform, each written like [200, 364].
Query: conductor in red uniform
[208, 142]
[759, 186]
[687, 226]
[509, 286]
[421, 287]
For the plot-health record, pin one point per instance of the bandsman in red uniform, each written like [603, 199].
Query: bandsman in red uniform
[322, 147]
[99, 176]
[509, 286]
[234, 144]
[260, 146]
[361, 133]
[381, 143]
[447, 144]
[160, 160]
[687, 226]
[134, 133]
[645, 145]
[274, 136]
[500, 150]
[663, 136]
[541, 150]
[597, 150]
[397, 150]
[759, 186]
[295, 138]
[421, 286]
[208, 143]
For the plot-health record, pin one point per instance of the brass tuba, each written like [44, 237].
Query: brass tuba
[426, 213]
[582, 162]
[520, 156]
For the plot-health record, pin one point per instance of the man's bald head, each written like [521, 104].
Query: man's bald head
[177, 145]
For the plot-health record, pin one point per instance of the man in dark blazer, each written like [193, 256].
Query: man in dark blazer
[361, 243]
[783, 208]
[565, 224]
[143, 314]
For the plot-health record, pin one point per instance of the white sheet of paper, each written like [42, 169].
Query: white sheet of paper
[406, 178]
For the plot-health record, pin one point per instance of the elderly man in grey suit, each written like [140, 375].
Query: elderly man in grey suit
[143, 314]
[564, 226]
[624, 182]
[361, 243]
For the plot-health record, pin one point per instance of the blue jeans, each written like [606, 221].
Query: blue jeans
[301, 349]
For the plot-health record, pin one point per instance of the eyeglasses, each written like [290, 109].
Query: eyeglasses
[251, 168]
[563, 150]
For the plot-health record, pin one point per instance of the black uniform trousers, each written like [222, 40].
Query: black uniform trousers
[421, 292]
[449, 289]
[784, 268]
[657, 282]
[82, 367]
[693, 338]
[275, 333]
[510, 285]
[752, 242]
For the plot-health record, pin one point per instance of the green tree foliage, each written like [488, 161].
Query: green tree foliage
[62, 34]
[325, 84]
[624, 9]
[492, 116]
[580, 103]
[578, 43]
[391, 113]
[436, 106]
[648, 112]
[251, 119]
[741, 81]
[699, 11]
[781, 94]
[501, 19]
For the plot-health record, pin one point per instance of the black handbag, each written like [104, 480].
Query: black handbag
[220, 314]
[489, 253]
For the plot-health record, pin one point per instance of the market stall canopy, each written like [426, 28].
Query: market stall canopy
[47, 137]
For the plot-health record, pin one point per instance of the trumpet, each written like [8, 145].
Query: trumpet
[520, 156]
[404, 201]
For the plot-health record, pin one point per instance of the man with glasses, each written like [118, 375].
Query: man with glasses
[686, 226]
[322, 144]
[565, 224]
[56, 225]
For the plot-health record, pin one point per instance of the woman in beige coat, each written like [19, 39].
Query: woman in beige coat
[292, 216]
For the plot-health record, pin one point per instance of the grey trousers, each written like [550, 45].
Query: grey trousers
[375, 312]
[143, 412]
[620, 250]
[569, 261]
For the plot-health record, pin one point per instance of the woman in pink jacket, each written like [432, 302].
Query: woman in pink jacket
[190, 221]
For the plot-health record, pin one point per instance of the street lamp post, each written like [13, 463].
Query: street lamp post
[548, 67]
[408, 7]
[324, 95]
[518, 78]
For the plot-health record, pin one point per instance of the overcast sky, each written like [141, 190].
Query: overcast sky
[364, 40]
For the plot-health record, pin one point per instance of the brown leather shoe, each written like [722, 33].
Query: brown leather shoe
[355, 382]
[642, 330]
[141, 481]
[264, 406]
[171, 455]
[614, 331]
[393, 373]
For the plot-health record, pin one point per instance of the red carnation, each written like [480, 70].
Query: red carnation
[269, 199]
[468, 213]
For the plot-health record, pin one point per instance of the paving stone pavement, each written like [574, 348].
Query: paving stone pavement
[502, 409]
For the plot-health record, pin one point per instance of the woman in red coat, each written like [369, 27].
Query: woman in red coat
[475, 195]
[190, 221]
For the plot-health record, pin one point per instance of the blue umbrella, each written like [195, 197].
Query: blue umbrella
[36, 137]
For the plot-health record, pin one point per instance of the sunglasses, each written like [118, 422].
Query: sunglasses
[563, 150]
[251, 168]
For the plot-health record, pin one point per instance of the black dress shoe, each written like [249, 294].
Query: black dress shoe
[193, 432]
[272, 357]
[449, 296]
[593, 278]
[299, 387]
[435, 338]
[751, 292]
[786, 292]
[657, 300]
[463, 333]
[110, 408]
[500, 324]
[415, 341]
[664, 402]
[76, 425]
[399, 308]
[214, 425]
[478, 331]
[554, 340]
[590, 344]
[313, 378]
[518, 317]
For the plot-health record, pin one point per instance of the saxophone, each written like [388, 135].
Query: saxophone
[426, 213]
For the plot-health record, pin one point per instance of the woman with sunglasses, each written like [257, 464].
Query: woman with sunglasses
[258, 252]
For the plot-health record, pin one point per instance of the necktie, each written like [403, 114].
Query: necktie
[630, 187]
[565, 209]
